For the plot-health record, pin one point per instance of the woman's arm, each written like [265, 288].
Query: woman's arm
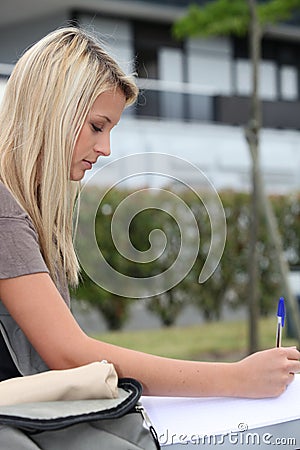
[37, 307]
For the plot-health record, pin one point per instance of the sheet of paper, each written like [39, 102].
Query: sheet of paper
[175, 417]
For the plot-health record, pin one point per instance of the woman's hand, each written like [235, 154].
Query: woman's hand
[267, 373]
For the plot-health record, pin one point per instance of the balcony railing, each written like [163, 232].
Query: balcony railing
[175, 100]
[187, 102]
[275, 114]
[177, 3]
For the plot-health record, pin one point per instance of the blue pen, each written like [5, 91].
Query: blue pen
[280, 321]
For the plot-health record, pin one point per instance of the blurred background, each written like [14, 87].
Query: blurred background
[197, 102]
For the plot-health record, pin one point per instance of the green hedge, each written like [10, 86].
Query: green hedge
[227, 285]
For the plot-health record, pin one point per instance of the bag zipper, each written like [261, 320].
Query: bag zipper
[140, 408]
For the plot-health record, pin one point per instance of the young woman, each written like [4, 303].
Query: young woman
[61, 102]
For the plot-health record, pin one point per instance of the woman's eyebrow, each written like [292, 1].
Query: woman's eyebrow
[103, 117]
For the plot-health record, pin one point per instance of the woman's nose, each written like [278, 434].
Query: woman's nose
[103, 147]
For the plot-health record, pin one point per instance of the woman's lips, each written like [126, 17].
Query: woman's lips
[88, 165]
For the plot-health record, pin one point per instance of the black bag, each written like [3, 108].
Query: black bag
[108, 424]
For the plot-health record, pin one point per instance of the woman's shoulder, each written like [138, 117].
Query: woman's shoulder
[9, 207]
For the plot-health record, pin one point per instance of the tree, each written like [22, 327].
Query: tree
[167, 305]
[227, 17]
[228, 286]
[114, 309]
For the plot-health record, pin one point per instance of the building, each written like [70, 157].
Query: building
[194, 94]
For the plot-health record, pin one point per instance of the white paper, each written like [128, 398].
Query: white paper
[175, 417]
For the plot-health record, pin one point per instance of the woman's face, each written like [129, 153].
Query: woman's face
[94, 138]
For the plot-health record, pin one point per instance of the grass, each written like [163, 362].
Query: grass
[218, 341]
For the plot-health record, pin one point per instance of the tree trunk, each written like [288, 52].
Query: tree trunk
[252, 135]
[283, 266]
[261, 202]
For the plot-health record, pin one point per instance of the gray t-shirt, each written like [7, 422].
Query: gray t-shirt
[19, 248]
[19, 255]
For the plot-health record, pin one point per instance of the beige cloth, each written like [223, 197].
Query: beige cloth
[92, 381]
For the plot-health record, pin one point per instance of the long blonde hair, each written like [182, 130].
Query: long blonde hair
[46, 101]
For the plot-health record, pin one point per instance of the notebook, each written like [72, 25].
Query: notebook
[182, 420]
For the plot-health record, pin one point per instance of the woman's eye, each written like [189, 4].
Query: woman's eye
[97, 129]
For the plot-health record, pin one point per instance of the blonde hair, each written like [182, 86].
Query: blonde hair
[47, 98]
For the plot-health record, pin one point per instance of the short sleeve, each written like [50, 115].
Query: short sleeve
[19, 247]
[19, 250]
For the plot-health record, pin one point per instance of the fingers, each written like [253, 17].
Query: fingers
[269, 372]
[292, 353]
[294, 367]
[293, 356]
[291, 377]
